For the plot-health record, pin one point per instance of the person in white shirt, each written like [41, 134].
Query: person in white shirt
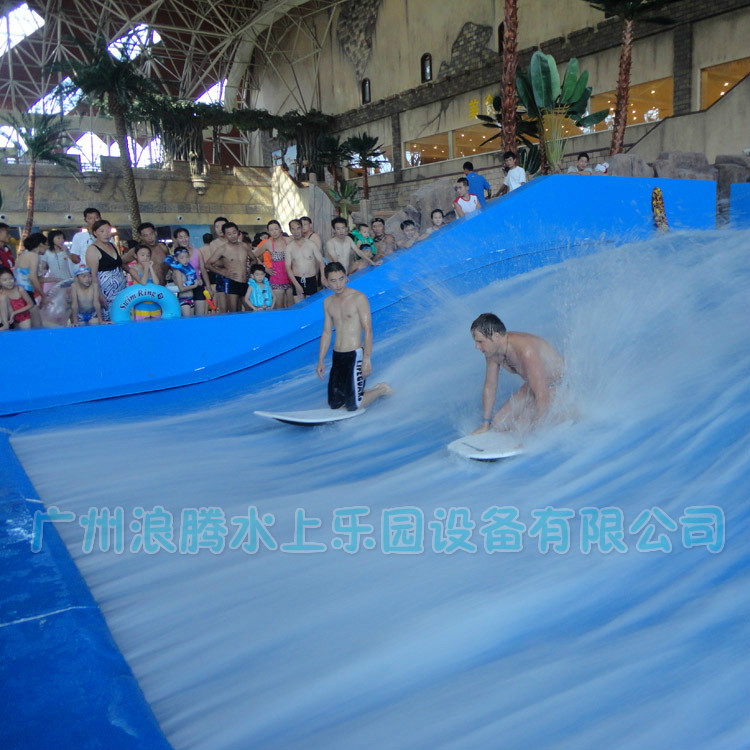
[516, 175]
[84, 238]
[466, 203]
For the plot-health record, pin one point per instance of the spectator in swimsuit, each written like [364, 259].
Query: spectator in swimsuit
[436, 219]
[26, 273]
[385, 244]
[259, 296]
[189, 284]
[142, 271]
[17, 299]
[182, 239]
[409, 228]
[229, 261]
[275, 246]
[7, 256]
[105, 263]
[85, 304]
[303, 262]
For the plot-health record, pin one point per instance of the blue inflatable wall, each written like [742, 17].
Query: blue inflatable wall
[550, 213]
[739, 206]
[65, 682]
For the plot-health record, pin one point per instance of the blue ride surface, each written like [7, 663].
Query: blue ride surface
[66, 683]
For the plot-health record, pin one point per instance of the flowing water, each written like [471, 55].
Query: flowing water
[602, 645]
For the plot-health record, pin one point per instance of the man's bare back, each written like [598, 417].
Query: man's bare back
[530, 357]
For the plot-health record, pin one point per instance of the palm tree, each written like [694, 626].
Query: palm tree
[629, 11]
[510, 63]
[44, 138]
[365, 149]
[113, 81]
[332, 154]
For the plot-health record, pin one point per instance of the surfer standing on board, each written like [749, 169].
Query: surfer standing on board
[531, 357]
[348, 311]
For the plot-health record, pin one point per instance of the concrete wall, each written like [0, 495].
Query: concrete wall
[706, 132]
[244, 195]
[290, 201]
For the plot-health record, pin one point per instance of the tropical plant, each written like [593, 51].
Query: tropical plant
[43, 138]
[332, 154]
[365, 149]
[530, 158]
[179, 124]
[629, 11]
[509, 102]
[550, 103]
[345, 198]
[524, 129]
[112, 81]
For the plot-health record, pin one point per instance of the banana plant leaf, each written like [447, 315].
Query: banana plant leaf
[570, 80]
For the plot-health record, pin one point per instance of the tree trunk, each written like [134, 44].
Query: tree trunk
[30, 200]
[365, 184]
[623, 88]
[128, 179]
[510, 63]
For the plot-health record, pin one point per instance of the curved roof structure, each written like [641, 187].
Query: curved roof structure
[202, 41]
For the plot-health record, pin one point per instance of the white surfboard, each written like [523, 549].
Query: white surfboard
[487, 446]
[310, 417]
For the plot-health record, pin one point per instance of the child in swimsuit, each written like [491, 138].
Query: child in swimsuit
[259, 295]
[189, 286]
[86, 307]
[18, 300]
[141, 271]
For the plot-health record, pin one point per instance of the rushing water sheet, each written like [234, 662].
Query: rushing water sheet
[518, 649]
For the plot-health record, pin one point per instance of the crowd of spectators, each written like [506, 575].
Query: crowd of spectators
[230, 272]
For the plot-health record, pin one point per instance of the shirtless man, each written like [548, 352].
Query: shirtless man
[436, 217]
[348, 311]
[229, 263]
[385, 244]
[341, 248]
[531, 357]
[148, 237]
[213, 245]
[309, 234]
[409, 228]
[303, 261]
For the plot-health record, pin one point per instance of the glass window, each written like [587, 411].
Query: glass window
[17, 25]
[384, 164]
[427, 150]
[647, 102]
[426, 67]
[366, 94]
[718, 79]
[467, 141]
[214, 95]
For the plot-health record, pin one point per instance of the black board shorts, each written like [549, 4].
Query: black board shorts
[230, 286]
[346, 386]
[309, 284]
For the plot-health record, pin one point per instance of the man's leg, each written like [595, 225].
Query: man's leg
[509, 414]
[381, 389]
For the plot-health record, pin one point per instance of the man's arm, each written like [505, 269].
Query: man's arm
[325, 339]
[365, 318]
[213, 262]
[321, 265]
[288, 261]
[331, 253]
[489, 394]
